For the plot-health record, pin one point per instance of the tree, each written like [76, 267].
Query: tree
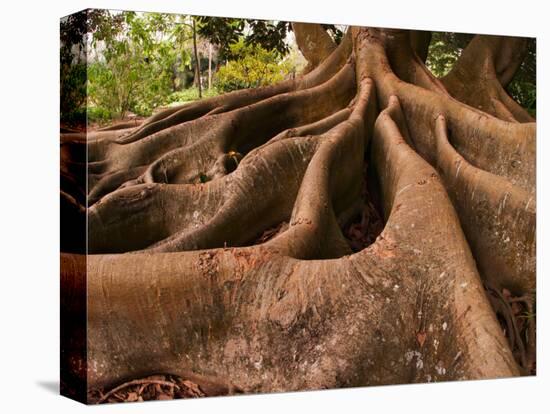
[74, 32]
[217, 230]
[197, 60]
[209, 65]
[134, 65]
[270, 35]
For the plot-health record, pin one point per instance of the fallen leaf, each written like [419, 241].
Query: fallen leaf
[132, 396]
[421, 338]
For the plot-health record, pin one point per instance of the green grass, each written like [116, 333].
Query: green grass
[189, 95]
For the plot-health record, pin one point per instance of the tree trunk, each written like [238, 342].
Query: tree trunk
[209, 66]
[219, 231]
[197, 61]
[314, 43]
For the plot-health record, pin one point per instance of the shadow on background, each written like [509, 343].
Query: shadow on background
[51, 386]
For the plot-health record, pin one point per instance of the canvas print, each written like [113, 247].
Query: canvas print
[257, 206]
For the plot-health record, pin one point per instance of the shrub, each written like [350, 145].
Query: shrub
[99, 115]
[133, 68]
[253, 67]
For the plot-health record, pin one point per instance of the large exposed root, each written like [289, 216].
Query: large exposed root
[402, 47]
[482, 72]
[497, 217]
[180, 153]
[238, 99]
[331, 184]
[502, 148]
[183, 217]
[253, 313]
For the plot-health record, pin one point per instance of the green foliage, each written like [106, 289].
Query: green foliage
[72, 88]
[222, 32]
[98, 115]
[72, 76]
[189, 95]
[74, 117]
[140, 61]
[445, 48]
[523, 87]
[268, 34]
[74, 31]
[136, 69]
[226, 32]
[525, 93]
[253, 67]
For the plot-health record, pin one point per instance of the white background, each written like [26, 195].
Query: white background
[29, 222]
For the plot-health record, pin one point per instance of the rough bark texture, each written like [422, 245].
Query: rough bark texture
[314, 42]
[182, 280]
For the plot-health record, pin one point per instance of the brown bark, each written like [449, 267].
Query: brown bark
[198, 81]
[181, 280]
[484, 69]
[314, 42]
[420, 43]
[210, 66]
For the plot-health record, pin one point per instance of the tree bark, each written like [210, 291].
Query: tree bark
[182, 278]
[489, 62]
[314, 42]
[197, 61]
[209, 66]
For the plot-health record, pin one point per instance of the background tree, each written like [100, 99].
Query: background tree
[75, 31]
[197, 60]
[270, 35]
[131, 71]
